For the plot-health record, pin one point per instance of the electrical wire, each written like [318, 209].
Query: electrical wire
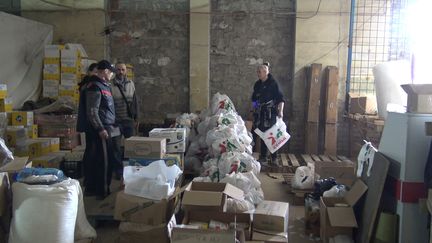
[313, 15]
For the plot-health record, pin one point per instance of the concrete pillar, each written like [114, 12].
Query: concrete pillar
[199, 58]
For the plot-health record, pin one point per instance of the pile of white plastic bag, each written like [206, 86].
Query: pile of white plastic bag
[221, 151]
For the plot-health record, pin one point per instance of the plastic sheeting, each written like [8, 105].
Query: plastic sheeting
[22, 45]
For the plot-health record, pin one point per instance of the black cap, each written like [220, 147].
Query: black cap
[104, 64]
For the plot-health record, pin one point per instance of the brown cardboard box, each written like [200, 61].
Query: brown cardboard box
[190, 235]
[22, 118]
[362, 104]
[137, 233]
[337, 215]
[419, 98]
[343, 172]
[270, 237]
[203, 196]
[271, 216]
[142, 210]
[145, 147]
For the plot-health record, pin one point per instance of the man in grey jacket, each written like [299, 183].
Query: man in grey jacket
[126, 106]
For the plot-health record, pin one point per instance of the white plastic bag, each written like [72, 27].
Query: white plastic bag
[275, 137]
[221, 103]
[155, 181]
[303, 178]
[48, 213]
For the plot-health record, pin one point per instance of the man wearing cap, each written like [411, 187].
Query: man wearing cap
[100, 113]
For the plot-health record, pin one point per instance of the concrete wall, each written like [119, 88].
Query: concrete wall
[245, 33]
[320, 39]
[79, 26]
[154, 37]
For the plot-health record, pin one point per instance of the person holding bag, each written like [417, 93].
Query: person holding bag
[267, 105]
[126, 105]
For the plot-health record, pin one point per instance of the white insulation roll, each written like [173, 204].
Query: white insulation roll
[48, 213]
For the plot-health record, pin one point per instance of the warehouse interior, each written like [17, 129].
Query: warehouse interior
[341, 151]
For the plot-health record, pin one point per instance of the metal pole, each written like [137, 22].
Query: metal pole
[350, 48]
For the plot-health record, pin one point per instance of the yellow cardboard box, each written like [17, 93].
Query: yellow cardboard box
[32, 131]
[53, 51]
[48, 161]
[15, 135]
[3, 91]
[39, 147]
[22, 118]
[6, 105]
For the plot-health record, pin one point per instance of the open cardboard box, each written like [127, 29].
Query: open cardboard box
[337, 214]
[209, 196]
[189, 235]
[146, 211]
[419, 97]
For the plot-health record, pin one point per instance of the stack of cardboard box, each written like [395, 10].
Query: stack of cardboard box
[145, 150]
[51, 71]
[61, 126]
[206, 215]
[64, 66]
[143, 218]
[176, 141]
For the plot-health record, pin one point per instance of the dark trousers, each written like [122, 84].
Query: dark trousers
[96, 181]
[127, 130]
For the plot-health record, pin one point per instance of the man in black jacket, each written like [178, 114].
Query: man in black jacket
[101, 129]
[267, 105]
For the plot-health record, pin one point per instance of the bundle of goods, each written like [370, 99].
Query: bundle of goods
[222, 152]
[59, 199]
[62, 126]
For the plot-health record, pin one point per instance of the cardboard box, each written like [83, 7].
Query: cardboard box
[208, 196]
[48, 161]
[175, 138]
[53, 84]
[6, 105]
[419, 98]
[168, 158]
[22, 118]
[337, 214]
[32, 131]
[15, 135]
[362, 104]
[269, 237]
[344, 172]
[52, 51]
[271, 216]
[51, 68]
[3, 91]
[39, 147]
[142, 210]
[70, 79]
[195, 235]
[138, 233]
[78, 48]
[145, 147]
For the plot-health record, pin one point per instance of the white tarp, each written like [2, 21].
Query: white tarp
[21, 56]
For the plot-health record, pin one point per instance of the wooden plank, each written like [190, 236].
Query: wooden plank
[308, 159]
[284, 160]
[334, 158]
[312, 138]
[314, 95]
[325, 158]
[315, 157]
[330, 141]
[343, 158]
[331, 94]
[294, 160]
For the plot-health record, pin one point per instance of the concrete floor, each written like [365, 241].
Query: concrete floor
[274, 189]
